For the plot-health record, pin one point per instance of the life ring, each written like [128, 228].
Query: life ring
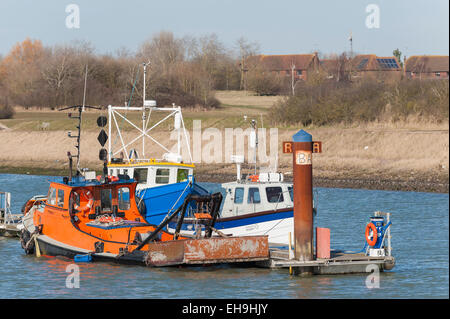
[372, 227]
[30, 203]
[254, 178]
[86, 197]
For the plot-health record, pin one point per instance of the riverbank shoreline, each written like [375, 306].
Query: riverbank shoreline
[408, 155]
[431, 183]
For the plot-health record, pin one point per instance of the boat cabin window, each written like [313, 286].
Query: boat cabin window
[140, 175]
[162, 176]
[75, 198]
[60, 198]
[238, 195]
[253, 196]
[106, 198]
[124, 198]
[182, 175]
[274, 194]
[113, 172]
[291, 192]
[51, 198]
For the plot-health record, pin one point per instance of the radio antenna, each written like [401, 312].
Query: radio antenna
[85, 82]
[81, 109]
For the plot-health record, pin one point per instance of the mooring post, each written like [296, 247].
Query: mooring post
[303, 197]
[302, 147]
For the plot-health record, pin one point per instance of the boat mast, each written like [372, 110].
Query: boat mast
[79, 119]
[143, 110]
[255, 134]
[81, 109]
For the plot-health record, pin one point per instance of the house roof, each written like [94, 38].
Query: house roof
[427, 63]
[328, 64]
[283, 62]
[332, 64]
[371, 62]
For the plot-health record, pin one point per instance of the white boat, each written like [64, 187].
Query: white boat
[262, 206]
[258, 205]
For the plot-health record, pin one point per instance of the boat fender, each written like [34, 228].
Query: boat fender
[27, 242]
[141, 206]
[372, 241]
[87, 196]
[158, 237]
[99, 246]
[137, 238]
[82, 258]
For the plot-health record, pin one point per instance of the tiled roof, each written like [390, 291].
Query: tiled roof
[371, 62]
[427, 63]
[283, 62]
[328, 64]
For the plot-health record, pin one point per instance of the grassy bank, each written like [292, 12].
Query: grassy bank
[402, 155]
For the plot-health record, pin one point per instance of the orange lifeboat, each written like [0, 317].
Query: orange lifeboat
[88, 217]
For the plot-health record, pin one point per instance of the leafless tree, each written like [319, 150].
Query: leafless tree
[245, 49]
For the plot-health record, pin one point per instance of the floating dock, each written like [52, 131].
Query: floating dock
[306, 259]
[338, 263]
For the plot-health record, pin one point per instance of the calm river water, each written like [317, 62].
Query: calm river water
[420, 238]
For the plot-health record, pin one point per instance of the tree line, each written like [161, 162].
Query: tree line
[182, 70]
[186, 71]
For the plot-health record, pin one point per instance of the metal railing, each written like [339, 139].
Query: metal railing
[387, 235]
[6, 217]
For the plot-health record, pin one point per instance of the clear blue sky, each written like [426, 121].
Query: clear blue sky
[279, 26]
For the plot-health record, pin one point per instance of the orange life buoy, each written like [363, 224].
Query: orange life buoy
[87, 198]
[372, 227]
[202, 216]
[254, 178]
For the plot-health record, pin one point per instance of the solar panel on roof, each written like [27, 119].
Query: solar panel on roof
[388, 63]
[362, 64]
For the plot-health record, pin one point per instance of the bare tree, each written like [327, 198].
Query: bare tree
[245, 49]
[163, 50]
[58, 70]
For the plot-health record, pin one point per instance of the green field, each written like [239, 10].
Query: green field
[235, 105]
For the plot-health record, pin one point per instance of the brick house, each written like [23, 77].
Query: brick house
[427, 66]
[301, 64]
[375, 66]
[363, 65]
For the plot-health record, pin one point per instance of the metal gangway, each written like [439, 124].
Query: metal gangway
[8, 221]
